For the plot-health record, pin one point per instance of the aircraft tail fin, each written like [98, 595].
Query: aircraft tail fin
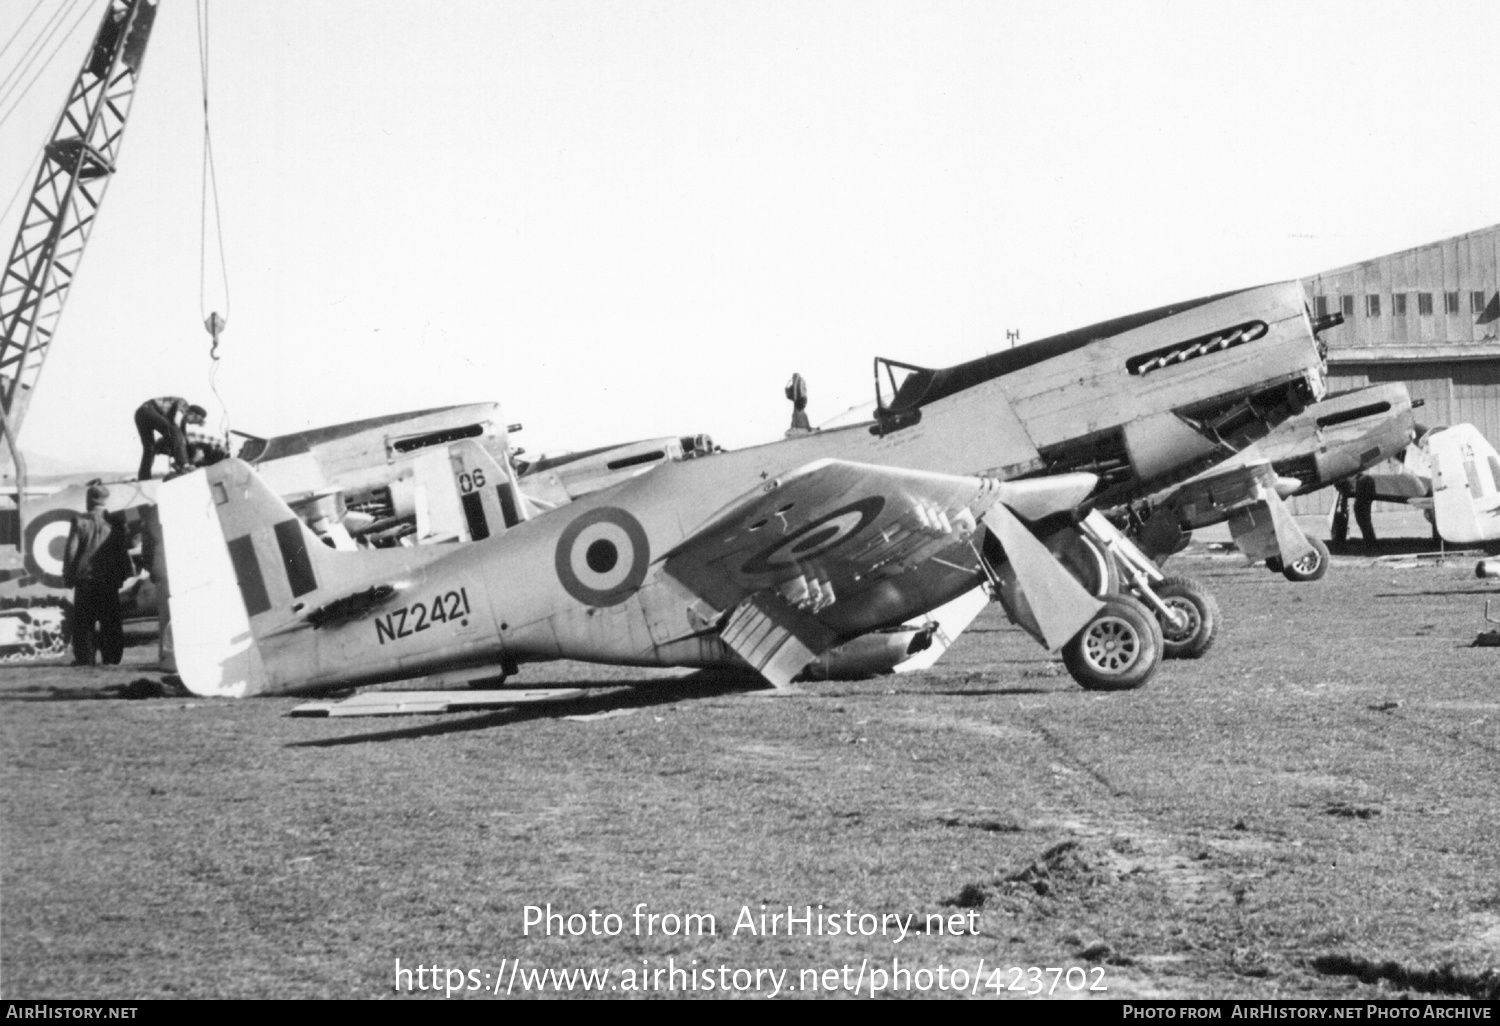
[487, 490]
[241, 567]
[1465, 485]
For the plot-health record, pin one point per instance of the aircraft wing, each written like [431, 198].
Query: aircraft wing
[781, 559]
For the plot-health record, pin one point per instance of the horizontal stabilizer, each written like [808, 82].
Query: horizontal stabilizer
[407, 703]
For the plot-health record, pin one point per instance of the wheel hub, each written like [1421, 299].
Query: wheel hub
[1111, 645]
[1186, 619]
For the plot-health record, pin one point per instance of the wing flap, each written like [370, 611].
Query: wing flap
[775, 638]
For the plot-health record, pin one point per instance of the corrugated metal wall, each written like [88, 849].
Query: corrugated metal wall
[1446, 350]
[1465, 265]
[1453, 392]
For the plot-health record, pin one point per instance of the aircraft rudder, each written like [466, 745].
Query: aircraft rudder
[215, 648]
[1465, 485]
[487, 490]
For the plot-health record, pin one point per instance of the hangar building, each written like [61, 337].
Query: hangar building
[1429, 317]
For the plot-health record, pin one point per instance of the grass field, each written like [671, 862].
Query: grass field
[1309, 811]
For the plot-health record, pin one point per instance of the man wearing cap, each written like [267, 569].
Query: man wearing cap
[167, 417]
[96, 562]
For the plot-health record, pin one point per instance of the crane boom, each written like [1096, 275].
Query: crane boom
[77, 163]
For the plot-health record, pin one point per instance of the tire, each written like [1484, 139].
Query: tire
[1085, 561]
[1185, 595]
[1308, 568]
[1119, 649]
[1274, 565]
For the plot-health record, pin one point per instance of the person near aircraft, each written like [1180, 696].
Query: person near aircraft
[796, 391]
[1364, 498]
[96, 561]
[166, 418]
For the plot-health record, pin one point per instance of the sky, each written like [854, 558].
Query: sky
[627, 220]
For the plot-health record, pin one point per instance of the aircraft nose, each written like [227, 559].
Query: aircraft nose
[1286, 487]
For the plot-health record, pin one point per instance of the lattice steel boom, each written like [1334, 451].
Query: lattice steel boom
[77, 163]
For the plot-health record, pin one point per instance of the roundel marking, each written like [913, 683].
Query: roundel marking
[602, 556]
[817, 537]
[46, 538]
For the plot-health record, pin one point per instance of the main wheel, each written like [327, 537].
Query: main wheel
[1119, 649]
[1310, 567]
[1186, 597]
[1085, 560]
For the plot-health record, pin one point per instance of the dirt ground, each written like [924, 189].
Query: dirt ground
[1307, 812]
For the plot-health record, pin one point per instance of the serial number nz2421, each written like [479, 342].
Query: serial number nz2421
[419, 616]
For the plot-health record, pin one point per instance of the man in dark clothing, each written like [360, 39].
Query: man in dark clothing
[167, 417]
[96, 562]
[796, 391]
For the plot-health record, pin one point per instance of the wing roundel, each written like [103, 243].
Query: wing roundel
[815, 538]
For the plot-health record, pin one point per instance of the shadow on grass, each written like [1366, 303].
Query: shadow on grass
[141, 687]
[980, 692]
[644, 695]
[1399, 547]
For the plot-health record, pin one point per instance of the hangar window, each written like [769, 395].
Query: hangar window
[1450, 303]
[1372, 306]
[1424, 304]
[1398, 304]
[1346, 305]
[1476, 302]
[1322, 306]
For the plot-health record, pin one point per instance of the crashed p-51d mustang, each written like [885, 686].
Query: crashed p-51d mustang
[773, 555]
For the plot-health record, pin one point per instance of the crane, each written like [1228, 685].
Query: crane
[78, 161]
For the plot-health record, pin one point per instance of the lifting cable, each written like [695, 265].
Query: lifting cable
[212, 320]
[25, 59]
[12, 80]
[36, 6]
